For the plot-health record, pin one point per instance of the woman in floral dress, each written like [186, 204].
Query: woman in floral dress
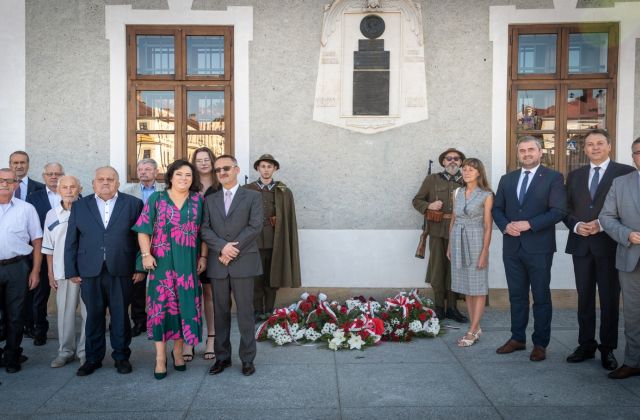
[168, 229]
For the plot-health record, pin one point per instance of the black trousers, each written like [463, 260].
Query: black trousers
[35, 304]
[98, 294]
[14, 285]
[592, 271]
[264, 296]
[139, 304]
[242, 289]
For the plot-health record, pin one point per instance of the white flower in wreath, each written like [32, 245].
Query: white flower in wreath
[388, 328]
[283, 339]
[328, 328]
[322, 297]
[400, 332]
[293, 307]
[304, 296]
[395, 321]
[355, 342]
[339, 334]
[293, 328]
[416, 326]
[299, 335]
[352, 303]
[311, 334]
[432, 326]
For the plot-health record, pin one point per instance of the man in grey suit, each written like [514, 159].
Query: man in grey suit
[231, 224]
[147, 170]
[620, 218]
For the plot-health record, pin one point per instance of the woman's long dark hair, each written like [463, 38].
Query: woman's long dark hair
[476, 164]
[214, 184]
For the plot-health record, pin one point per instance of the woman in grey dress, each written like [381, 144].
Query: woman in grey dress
[469, 238]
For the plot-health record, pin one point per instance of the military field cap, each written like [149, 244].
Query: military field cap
[268, 158]
[446, 152]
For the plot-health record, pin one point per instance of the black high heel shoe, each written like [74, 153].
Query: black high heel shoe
[179, 368]
[161, 375]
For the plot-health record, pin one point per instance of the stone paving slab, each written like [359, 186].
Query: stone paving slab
[430, 378]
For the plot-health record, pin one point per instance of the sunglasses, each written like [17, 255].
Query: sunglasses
[450, 158]
[224, 168]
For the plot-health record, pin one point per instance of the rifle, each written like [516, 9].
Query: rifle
[422, 243]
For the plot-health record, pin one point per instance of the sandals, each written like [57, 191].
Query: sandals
[470, 338]
[209, 355]
[187, 356]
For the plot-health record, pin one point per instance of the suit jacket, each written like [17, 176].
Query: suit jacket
[581, 208]
[544, 205]
[242, 225]
[40, 201]
[136, 191]
[88, 242]
[33, 186]
[620, 216]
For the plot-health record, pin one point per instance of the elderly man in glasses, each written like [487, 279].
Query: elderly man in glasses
[434, 200]
[21, 236]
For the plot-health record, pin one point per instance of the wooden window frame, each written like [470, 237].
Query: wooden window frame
[180, 83]
[561, 81]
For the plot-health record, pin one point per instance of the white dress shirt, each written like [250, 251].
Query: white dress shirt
[603, 167]
[531, 175]
[106, 208]
[19, 225]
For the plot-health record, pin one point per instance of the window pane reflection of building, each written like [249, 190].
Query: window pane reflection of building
[160, 147]
[215, 142]
[205, 111]
[537, 53]
[588, 52]
[536, 110]
[586, 109]
[155, 110]
[155, 54]
[205, 55]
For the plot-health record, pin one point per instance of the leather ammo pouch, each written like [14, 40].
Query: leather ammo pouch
[434, 215]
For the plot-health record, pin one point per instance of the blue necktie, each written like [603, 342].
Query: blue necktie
[594, 182]
[523, 187]
[17, 194]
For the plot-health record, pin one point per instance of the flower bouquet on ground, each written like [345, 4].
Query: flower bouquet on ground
[283, 326]
[408, 315]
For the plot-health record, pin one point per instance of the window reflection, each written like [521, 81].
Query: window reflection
[205, 55]
[586, 109]
[155, 54]
[536, 110]
[588, 52]
[537, 53]
[205, 110]
[160, 147]
[214, 142]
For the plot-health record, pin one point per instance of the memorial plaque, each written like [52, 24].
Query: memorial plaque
[371, 70]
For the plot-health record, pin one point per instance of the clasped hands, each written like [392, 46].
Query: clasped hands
[588, 228]
[228, 253]
[516, 228]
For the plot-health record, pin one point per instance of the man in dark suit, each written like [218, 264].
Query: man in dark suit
[528, 204]
[231, 224]
[19, 162]
[100, 253]
[35, 306]
[593, 251]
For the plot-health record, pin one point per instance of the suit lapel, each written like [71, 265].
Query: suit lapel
[117, 209]
[605, 182]
[634, 186]
[93, 208]
[218, 201]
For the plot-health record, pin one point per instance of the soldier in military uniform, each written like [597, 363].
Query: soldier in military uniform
[436, 196]
[278, 241]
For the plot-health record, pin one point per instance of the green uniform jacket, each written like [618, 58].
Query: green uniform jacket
[285, 259]
[436, 187]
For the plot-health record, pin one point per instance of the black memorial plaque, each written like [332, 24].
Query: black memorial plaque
[371, 70]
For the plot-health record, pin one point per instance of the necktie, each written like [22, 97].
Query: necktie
[16, 194]
[227, 201]
[594, 181]
[523, 187]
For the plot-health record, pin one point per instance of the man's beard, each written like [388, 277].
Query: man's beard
[452, 169]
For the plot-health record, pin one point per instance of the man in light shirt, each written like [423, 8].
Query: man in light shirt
[68, 292]
[35, 306]
[21, 236]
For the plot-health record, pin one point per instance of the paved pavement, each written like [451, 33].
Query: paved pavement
[430, 378]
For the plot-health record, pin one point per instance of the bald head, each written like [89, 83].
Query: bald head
[106, 182]
[69, 189]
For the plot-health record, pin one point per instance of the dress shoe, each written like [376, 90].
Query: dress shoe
[608, 360]
[137, 329]
[123, 366]
[510, 346]
[456, 315]
[39, 341]
[13, 367]
[580, 354]
[88, 368]
[28, 332]
[538, 354]
[624, 372]
[248, 368]
[21, 359]
[219, 366]
[60, 361]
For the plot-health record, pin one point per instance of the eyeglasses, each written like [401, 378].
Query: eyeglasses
[450, 158]
[636, 153]
[201, 161]
[56, 174]
[8, 181]
[224, 168]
